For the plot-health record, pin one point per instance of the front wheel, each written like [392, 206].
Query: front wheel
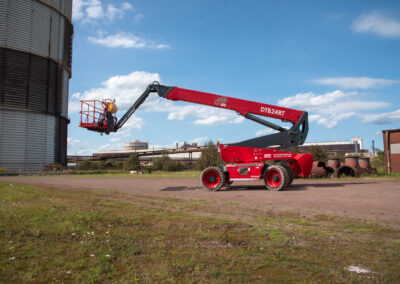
[212, 178]
[276, 178]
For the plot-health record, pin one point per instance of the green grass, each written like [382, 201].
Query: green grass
[51, 235]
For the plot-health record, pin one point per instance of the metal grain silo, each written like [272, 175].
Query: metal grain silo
[35, 61]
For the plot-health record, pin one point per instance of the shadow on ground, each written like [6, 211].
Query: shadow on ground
[180, 188]
[293, 187]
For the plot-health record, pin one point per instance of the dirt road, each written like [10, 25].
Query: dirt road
[376, 200]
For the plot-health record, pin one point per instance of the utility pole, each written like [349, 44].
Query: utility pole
[356, 144]
[373, 148]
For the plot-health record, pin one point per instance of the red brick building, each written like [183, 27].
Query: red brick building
[391, 147]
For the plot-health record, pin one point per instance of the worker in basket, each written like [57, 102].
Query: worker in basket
[111, 120]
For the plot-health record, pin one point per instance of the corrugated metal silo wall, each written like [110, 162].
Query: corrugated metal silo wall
[35, 60]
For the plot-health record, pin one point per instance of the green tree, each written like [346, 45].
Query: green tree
[318, 153]
[132, 163]
[172, 166]
[209, 157]
[158, 163]
[119, 165]
[296, 149]
[111, 164]
[340, 157]
[378, 161]
[102, 165]
[85, 165]
[164, 163]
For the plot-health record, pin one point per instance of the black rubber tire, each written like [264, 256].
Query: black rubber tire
[212, 185]
[290, 173]
[228, 182]
[279, 172]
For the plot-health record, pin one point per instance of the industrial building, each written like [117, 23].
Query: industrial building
[391, 147]
[35, 60]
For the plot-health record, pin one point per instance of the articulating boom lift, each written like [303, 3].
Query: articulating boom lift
[253, 159]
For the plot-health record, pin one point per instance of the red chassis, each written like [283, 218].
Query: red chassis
[251, 164]
[253, 159]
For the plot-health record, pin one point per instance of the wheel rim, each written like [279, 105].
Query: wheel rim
[211, 179]
[274, 178]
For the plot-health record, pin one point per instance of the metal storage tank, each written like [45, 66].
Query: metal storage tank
[136, 145]
[35, 60]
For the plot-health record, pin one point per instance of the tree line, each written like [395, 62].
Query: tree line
[209, 157]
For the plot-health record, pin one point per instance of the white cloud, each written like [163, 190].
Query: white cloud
[77, 9]
[126, 6]
[377, 23]
[85, 152]
[330, 108]
[72, 142]
[126, 89]
[78, 147]
[162, 46]
[381, 118]
[93, 10]
[115, 139]
[120, 40]
[125, 40]
[76, 95]
[114, 12]
[264, 131]
[110, 147]
[223, 117]
[138, 17]
[132, 124]
[355, 82]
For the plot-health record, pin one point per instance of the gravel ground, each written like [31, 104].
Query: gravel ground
[370, 199]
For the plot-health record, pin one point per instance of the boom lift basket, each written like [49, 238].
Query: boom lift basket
[93, 114]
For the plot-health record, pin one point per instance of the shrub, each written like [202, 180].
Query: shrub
[158, 163]
[318, 153]
[296, 150]
[85, 165]
[111, 164]
[164, 163]
[340, 157]
[378, 161]
[172, 166]
[132, 163]
[209, 157]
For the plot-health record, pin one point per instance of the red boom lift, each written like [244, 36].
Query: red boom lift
[253, 159]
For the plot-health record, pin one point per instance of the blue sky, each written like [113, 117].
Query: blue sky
[338, 60]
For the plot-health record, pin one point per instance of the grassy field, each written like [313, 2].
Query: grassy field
[52, 235]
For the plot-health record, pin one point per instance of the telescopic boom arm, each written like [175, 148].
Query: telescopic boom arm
[296, 135]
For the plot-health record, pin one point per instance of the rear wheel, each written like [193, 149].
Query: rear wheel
[212, 178]
[290, 173]
[276, 177]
